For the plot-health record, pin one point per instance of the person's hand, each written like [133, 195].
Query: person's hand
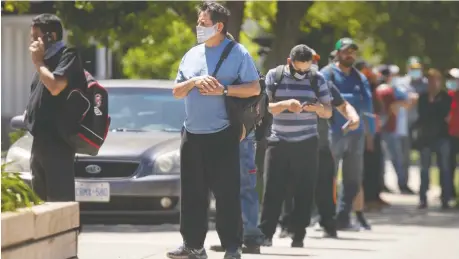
[354, 122]
[37, 50]
[206, 84]
[294, 106]
[313, 107]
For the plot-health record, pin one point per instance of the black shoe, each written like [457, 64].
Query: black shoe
[251, 249]
[406, 190]
[297, 244]
[236, 254]
[330, 233]
[184, 252]
[362, 220]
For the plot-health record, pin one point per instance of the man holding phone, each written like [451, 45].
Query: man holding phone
[291, 156]
[59, 70]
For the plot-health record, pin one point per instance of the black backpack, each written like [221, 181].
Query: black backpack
[90, 109]
[264, 130]
[244, 113]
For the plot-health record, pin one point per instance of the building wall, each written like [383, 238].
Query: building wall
[17, 67]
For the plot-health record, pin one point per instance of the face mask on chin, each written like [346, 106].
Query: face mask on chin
[452, 85]
[415, 74]
[297, 74]
[203, 34]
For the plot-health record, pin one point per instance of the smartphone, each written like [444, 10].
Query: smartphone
[309, 103]
[47, 39]
[345, 127]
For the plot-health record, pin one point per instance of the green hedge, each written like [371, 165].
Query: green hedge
[16, 193]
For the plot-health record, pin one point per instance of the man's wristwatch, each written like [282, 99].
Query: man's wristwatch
[225, 90]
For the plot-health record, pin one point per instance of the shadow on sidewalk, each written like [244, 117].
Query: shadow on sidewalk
[406, 215]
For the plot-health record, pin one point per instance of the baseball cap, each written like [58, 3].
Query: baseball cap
[454, 72]
[345, 43]
[414, 62]
[361, 64]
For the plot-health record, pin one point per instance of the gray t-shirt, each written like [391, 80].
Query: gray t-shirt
[322, 124]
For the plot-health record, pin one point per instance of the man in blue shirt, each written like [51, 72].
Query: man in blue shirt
[209, 152]
[349, 147]
[291, 160]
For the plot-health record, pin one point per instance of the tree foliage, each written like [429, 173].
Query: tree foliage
[152, 36]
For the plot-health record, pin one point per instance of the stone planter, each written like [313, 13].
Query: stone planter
[47, 231]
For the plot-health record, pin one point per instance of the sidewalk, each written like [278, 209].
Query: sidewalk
[399, 232]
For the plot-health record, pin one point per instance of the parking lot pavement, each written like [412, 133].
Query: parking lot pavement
[399, 232]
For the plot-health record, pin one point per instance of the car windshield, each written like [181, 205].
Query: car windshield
[144, 109]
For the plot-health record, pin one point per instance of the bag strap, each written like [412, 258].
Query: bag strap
[278, 75]
[314, 82]
[224, 55]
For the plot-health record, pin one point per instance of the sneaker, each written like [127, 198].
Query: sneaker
[297, 244]
[184, 252]
[284, 233]
[236, 254]
[268, 242]
[362, 220]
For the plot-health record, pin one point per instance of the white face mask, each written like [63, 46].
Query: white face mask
[205, 33]
[415, 74]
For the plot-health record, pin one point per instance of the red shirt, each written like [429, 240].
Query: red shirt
[386, 97]
[454, 114]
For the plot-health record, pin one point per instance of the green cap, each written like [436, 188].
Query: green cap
[345, 43]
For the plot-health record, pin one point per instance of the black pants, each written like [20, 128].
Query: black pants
[326, 188]
[210, 162]
[453, 160]
[373, 171]
[52, 166]
[286, 163]
[325, 195]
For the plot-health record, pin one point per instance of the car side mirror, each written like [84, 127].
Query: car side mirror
[17, 122]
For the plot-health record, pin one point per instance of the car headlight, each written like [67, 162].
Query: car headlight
[18, 160]
[167, 163]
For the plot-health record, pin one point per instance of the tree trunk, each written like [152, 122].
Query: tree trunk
[237, 17]
[286, 30]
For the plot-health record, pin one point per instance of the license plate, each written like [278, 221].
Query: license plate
[92, 192]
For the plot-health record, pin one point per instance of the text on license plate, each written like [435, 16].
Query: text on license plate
[92, 192]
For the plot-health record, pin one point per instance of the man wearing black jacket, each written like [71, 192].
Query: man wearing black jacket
[433, 108]
[58, 71]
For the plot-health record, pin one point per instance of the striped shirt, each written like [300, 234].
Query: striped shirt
[294, 127]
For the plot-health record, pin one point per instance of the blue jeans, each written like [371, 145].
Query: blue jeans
[394, 148]
[441, 149]
[249, 194]
[349, 149]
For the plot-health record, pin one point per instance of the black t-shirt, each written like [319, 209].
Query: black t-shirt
[44, 109]
[432, 116]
